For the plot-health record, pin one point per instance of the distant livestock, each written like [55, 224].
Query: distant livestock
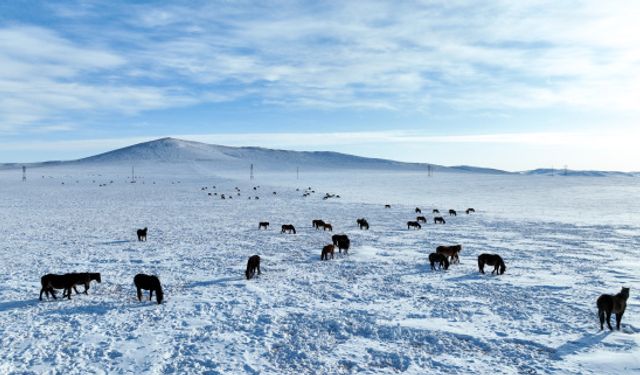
[328, 227]
[421, 219]
[253, 265]
[493, 260]
[362, 223]
[150, 283]
[470, 210]
[436, 211]
[342, 242]
[418, 210]
[317, 224]
[439, 220]
[453, 213]
[327, 251]
[50, 281]
[440, 259]
[263, 224]
[288, 228]
[450, 251]
[142, 234]
[387, 206]
[608, 304]
[413, 224]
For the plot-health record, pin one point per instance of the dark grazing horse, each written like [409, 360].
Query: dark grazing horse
[493, 260]
[150, 283]
[51, 281]
[608, 304]
[342, 242]
[421, 219]
[439, 219]
[387, 206]
[253, 264]
[85, 279]
[418, 210]
[470, 210]
[263, 224]
[436, 211]
[328, 227]
[288, 228]
[440, 259]
[142, 234]
[362, 223]
[450, 251]
[453, 213]
[413, 224]
[327, 251]
[317, 223]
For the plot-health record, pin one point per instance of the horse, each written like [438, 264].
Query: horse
[317, 223]
[142, 234]
[418, 210]
[441, 259]
[470, 210]
[413, 224]
[420, 219]
[439, 219]
[453, 213]
[436, 211]
[328, 227]
[288, 228]
[616, 304]
[387, 206]
[253, 264]
[493, 260]
[263, 224]
[450, 251]
[51, 281]
[326, 251]
[84, 279]
[342, 241]
[362, 223]
[150, 283]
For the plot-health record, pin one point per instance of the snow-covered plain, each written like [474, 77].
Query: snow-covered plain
[380, 309]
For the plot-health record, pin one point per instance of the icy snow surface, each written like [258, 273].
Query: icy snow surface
[380, 309]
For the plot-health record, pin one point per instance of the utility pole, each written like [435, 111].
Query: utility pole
[251, 172]
[429, 170]
[24, 173]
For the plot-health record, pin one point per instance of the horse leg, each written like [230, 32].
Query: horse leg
[601, 316]
[139, 295]
[53, 293]
[86, 288]
[481, 266]
[74, 288]
[150, 294]
[43, 290]
[609, 320]
[259, 270]
[618, 320]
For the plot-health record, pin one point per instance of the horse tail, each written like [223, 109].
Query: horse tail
[159, 293]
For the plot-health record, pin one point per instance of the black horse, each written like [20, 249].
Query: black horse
[413, 224]
[317, 223]
[150, 283]
[288, 228]
[493, 260]
[439, 219]
[453, 213]
[85, 279]
[253, 264]
[51, 281]
[418, 210]
[440, 259]
[363, 223]
[421, 219]
[342, 242]
[262, 224]
[470, 210]
[142, 234]
[436, 211]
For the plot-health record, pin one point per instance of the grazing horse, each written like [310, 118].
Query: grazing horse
[142, 234]
[84, 279]
[493, 260]
[263, 224]
[362, 223]
[418, 210]
[441, 259]
[253, 264]
[50, 281]
[317, 223]
[439, 219]
[387, 206]
[288, 228]
[413, 224]
[150, 283]
[326, 251]
[328, 227]
[436, 211]
[470, 210]
[421, 219]
[616, 304]
[453, 213]
[450, 251]
[342, 241]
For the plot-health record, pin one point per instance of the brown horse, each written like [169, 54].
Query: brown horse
[150, 283]
[421, 219]
[263, 224]
[413, 224]
[441, 259]
[142, 234]
[253, 264]
[317, 223]
[342, 242]
[453, 213]
[470, 210]
[439, 219]
[616, 304]
[418, 210]
[328, 227]
[493, 260]
[362, 223]
[451, 252]
[327, 251]
[288, 228]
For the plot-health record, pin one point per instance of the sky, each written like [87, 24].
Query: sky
[514, 85]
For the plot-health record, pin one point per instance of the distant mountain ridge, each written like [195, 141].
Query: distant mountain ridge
[176, 151]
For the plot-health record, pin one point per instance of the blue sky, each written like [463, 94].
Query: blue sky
[504, 84]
